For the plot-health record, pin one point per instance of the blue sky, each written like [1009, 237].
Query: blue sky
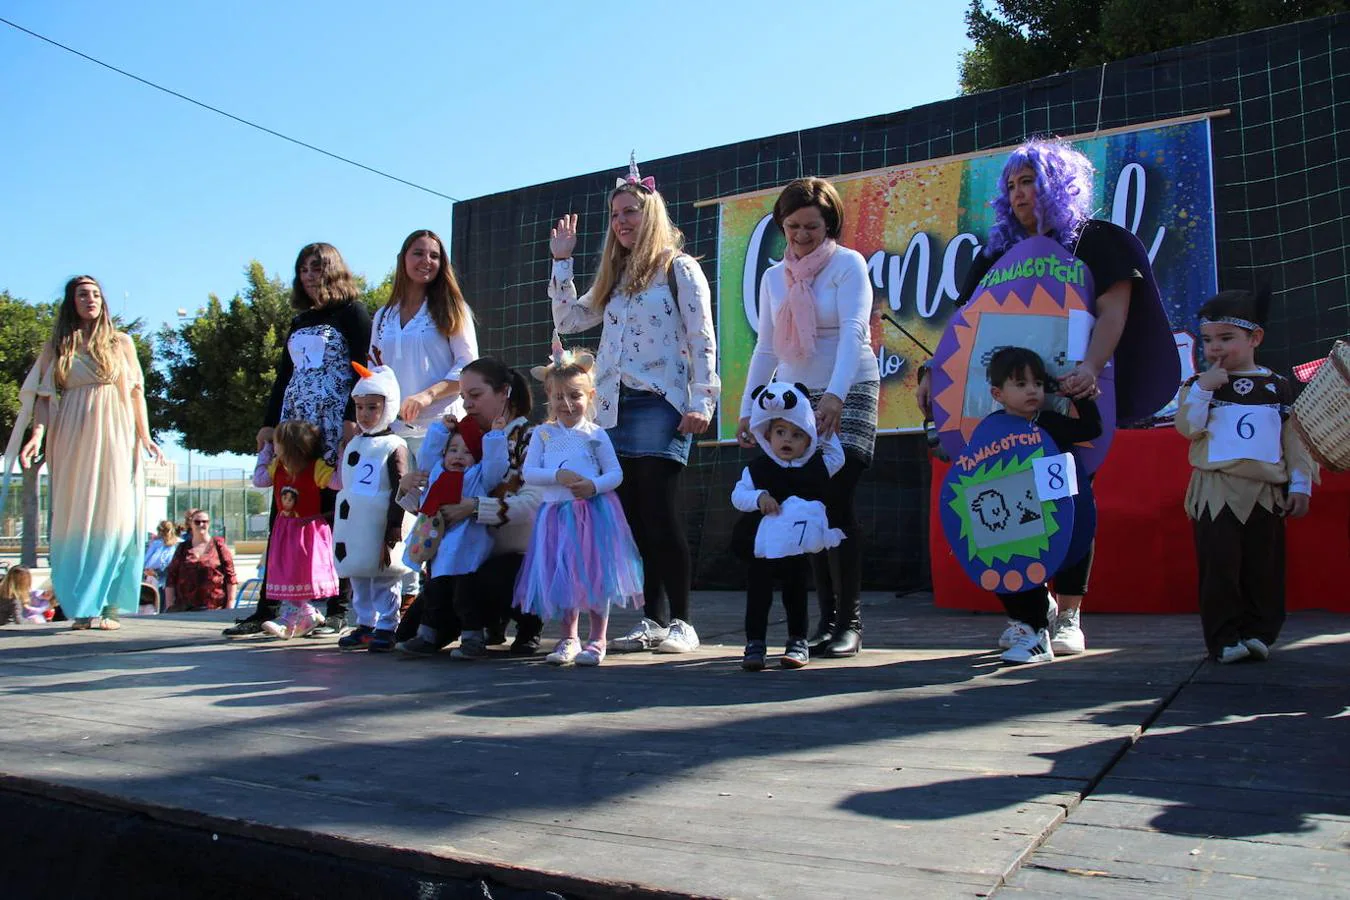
[166, 203]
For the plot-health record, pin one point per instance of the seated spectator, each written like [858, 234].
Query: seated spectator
[201, 574]
[159, 553]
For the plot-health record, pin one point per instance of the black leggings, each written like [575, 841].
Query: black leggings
[483, 598]
[650, 494]
[434, 607]
[795, 574]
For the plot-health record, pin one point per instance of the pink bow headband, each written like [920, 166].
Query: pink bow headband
[634, 177]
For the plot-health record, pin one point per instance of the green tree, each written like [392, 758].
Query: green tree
[219, 367]
[1018, 40]
[24, 328]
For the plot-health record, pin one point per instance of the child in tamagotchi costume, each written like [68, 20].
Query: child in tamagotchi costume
[367, 521]
[1019, 383]
[782, 495]
[1249, 472]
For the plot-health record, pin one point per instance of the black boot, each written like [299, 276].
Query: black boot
[825, 566]
[846, 639]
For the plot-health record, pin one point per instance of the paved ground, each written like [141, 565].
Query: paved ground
[920, 767]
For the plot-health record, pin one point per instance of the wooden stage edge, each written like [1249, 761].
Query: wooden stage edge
[164, 761]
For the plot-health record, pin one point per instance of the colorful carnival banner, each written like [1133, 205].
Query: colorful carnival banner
[920, 225]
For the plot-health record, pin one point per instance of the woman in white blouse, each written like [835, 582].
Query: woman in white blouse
[656, 385]
[424, 333]
[815, 311]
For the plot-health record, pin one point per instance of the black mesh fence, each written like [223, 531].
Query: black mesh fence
[1281, 170]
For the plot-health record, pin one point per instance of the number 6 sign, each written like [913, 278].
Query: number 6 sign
[1244, 431]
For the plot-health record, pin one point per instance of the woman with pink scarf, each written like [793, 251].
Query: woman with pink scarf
[815, 310]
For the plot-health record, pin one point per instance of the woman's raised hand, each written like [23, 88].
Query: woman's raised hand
[563, 239]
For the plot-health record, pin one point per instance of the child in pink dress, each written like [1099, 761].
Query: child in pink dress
[300, 567]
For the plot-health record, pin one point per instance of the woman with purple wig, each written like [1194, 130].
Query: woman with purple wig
[1046, 189]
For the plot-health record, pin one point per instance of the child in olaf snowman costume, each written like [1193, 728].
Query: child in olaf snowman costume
[368, 523]
[782, 495]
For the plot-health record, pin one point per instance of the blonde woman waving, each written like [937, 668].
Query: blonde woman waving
[656, 384]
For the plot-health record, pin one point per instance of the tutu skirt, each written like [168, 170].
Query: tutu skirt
[300, 560]
[581, 556]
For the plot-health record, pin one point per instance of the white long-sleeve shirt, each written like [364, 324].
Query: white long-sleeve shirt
[649, 342]
[585, 450]
[843, 356]
[420, 357]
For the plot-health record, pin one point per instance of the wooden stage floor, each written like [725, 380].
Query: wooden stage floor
[919, 768]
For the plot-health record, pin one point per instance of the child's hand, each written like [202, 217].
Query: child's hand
[412, 481]
[499, 423]
[1296, 507]
[450, 420]
[567, 477]
[767, 505]
[582, 488]
[1212, 379]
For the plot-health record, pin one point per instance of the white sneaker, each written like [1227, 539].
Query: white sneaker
[1257, 648]
[1235, 653]
[565, 652]
[1015, 628]
[647, 635]
[1009, 635]
[593, 655]
[1066, 634]
[1013, 633]
[1030, 647]
[680, 638]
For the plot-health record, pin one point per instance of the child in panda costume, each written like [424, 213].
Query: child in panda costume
[782, 495]
[368, 523]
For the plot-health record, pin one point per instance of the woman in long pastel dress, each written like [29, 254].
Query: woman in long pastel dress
[87, 394]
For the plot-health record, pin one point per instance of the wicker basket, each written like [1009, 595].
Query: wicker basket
[1322, 412]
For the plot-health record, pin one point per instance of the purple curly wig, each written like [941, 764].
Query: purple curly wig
[1063, 194]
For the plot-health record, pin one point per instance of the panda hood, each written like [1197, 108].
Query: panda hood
[379, 382]
[780, 400]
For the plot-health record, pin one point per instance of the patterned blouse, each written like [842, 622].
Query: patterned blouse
[649, 341]
[314, 375]
[200, 583]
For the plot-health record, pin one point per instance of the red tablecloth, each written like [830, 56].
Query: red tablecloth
[1145, 553]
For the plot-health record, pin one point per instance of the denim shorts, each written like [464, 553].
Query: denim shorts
[649, 426]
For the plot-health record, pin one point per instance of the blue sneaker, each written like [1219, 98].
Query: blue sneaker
[358, 639]
[753, 660]
[382, 641]
[796, 655]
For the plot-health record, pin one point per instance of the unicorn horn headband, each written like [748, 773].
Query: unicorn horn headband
[558, 358]
[635, 177]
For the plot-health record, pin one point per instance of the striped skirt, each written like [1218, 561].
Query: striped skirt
[858, 422]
